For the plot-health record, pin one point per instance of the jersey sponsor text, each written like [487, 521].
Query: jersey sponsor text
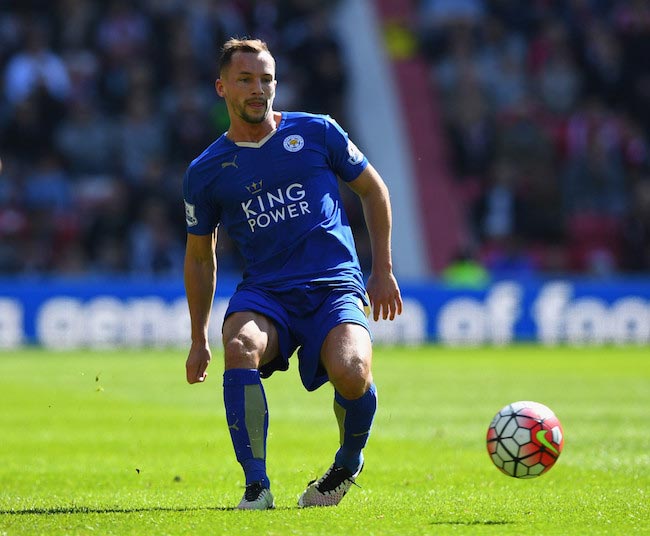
[273, 207]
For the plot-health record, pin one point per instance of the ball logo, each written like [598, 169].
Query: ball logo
[294, 143]
[541, 438]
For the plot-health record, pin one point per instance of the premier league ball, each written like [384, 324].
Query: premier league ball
[524, 439]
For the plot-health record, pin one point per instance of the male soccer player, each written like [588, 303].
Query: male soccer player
[271, 181]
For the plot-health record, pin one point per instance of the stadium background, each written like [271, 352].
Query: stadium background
[513, 136]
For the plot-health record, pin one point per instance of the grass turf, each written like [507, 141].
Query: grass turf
[115, 442]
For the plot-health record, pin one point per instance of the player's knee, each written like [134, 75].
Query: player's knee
[242, 351]
[351, 377]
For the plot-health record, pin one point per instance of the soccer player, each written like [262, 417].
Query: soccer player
[271, 181]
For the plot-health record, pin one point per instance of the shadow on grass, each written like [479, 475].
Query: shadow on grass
[63, 510]
[472, 523]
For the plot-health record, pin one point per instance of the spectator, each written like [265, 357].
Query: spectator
[73, 24]
[106, 226]
[141, 135]
[471, 133]
[498, 212]
[318, 57]
[603, 64]
[36, 68]
[87, 140]
[24, 135]
[48, 187]
[559, 82]
[466, 271]
[636, 229]
[154, 247]
[594, 180]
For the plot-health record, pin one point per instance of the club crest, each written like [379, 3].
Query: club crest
[294, 143]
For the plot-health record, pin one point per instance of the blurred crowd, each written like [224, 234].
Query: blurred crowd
[545, 103]
[105, 103]
[546, 107]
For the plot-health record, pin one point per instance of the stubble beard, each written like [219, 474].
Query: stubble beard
[254, 119]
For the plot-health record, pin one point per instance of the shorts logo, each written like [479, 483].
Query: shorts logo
[293, 143]
[190, 217]
[365, 308]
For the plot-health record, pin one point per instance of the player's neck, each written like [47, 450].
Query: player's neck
[241, 131]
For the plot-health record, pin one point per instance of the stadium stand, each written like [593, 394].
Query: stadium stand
[540, 112]
[546, 120]
[381, 130]
[105, 103]
[437, 203]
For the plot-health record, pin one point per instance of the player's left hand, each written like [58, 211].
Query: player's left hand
[385, 296]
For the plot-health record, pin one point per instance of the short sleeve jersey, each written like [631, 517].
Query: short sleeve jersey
[279, 201]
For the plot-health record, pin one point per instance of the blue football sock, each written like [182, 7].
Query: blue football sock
[248, 421]
[355, 421]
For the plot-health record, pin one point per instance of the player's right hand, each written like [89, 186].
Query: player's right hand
[197, 362]
[385, 296]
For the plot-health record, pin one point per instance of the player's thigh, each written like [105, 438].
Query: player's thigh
[250, 340]
[346, 355]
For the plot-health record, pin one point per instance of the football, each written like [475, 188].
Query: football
[525, 439]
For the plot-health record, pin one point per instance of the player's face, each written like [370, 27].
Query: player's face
[248, 86]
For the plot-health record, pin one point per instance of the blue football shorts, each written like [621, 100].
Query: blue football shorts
[302, 318]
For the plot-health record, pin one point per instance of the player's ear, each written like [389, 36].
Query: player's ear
[218, 86]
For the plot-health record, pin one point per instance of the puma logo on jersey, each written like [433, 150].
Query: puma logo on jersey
[233, 163]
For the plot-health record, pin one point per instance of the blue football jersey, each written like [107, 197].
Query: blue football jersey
[279, 201]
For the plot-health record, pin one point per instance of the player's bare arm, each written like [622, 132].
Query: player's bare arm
[200, 275]
[382, 287]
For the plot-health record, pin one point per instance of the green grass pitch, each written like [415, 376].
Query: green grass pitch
[115, 442]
